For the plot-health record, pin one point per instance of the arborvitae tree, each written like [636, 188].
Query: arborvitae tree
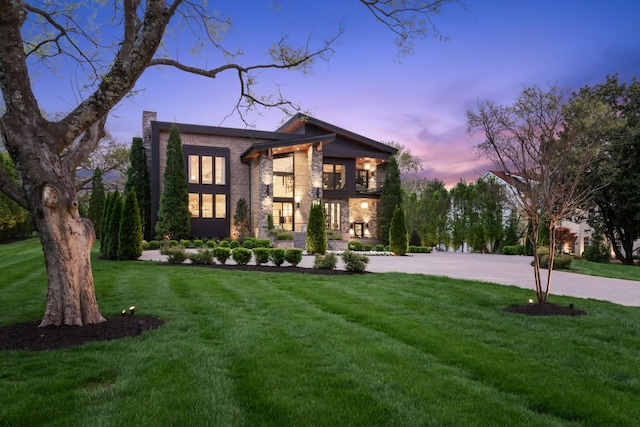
[174, 218]
[241, 219]
[96, 201]
[115, 214]
[414, 239]
[130, 233]
[316, 230]
[104, 222]
[390, 198]
[398, 239]
[138, 179]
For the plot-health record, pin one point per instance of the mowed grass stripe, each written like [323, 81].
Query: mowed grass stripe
[348, 358]
[488, 363]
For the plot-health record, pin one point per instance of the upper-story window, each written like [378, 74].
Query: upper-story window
[333, 176]
[201, 170]
[362, 180]
[283, 178]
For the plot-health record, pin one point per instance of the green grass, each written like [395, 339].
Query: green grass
[241, 348]
[614, 270]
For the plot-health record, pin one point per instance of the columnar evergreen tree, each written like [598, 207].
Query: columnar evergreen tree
[138, 179]
[390, 198]
[113, 231]
[241, 219]
[12, 216]
[316, 230]
[104, 221]
[398, 238]
[174, 218]
[96, 200]
[130, 231]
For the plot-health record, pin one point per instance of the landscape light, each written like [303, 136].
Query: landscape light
[132, 309]
[530, 301]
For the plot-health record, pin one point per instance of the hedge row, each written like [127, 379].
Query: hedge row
[241, 256]
[248, 243]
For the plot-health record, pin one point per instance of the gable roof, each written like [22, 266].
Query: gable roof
[288, 144]
[300, 120]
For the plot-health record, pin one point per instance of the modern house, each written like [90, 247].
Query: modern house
[279, 173]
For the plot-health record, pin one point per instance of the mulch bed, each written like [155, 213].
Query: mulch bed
[28, 336]
[545, 309]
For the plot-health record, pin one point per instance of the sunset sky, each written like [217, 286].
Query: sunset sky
[497, 48]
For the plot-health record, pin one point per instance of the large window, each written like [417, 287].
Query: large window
[362, 180]
[201, 170]
[332, 215]
[333, 176]
[201, 205]
[283, 215]
[283, 177]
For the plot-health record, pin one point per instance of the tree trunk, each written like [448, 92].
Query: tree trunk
[67, 240]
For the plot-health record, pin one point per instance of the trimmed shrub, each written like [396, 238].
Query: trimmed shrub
[198, 243]
[174, 243]
[263, 243]
[234, 244]
[222, 254]
[261, 255]
[281, 234]
[420, 249]
[367, 248]
[325, 262]
[513, 250]
[185, 243]
[224, 244]
[153, 245]
[355, 245]
[202, 257]
[354, 262]
[276, 255]
[379, 248]
[249, 243]
[293, 256]
[241, 256]
[175, 255]
[560, 261]
[211, 243]
[596, 253]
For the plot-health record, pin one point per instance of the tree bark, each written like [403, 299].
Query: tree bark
[67, 240]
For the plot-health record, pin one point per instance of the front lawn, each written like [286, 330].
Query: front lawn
[250, 348]
[613, 270]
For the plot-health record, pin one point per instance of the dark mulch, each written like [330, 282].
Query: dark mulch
[271, 269]
[545, 309]
[28, 336]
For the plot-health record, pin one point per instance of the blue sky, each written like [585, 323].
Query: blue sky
[497, 48]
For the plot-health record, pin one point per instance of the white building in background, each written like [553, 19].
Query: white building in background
[511, 182]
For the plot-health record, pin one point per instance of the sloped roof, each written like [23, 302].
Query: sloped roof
[300, 120]
[257, 147]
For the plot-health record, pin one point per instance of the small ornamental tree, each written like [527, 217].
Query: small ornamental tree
[130, 232]
[316, 231]
[390, 198]
[138, 179]
[174, 218]
[96, 200]
[115, 215]
[398, 239]
[241, 219]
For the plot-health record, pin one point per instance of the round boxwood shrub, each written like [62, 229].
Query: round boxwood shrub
[202, 257]
[261, 255]
[234, 244]
[293, 256]
[176, 255]
[355, 245]
[326, 262]
[379, 248]
[241, 256]
[153, 245]
[211, 243]
[276, 255]
[354, 262]
[249, 243]
[224, 244]
[185, 243]
[198, 243]
[222, 254]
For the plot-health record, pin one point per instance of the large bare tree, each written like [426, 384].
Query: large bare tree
[108, 48]
[546, 160]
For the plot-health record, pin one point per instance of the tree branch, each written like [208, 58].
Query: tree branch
[13, 190]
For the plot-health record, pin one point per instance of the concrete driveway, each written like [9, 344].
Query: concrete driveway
[501, 269]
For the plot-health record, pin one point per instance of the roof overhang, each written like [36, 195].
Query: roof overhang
[286, 146]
